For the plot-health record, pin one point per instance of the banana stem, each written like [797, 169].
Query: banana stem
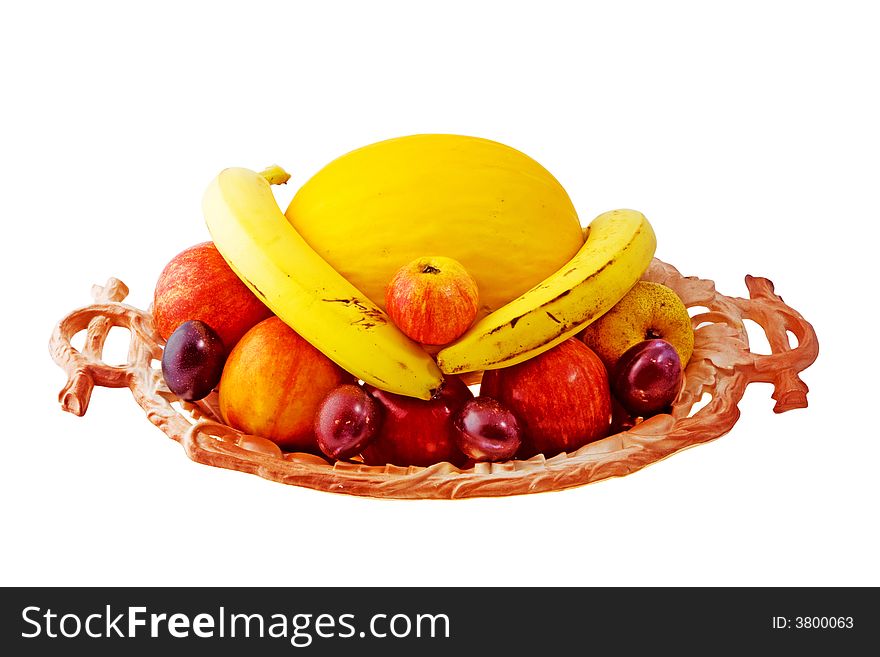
[275, 175]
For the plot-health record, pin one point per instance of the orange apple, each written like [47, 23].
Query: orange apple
[433, 300]
[561, 396]
[273, 383]
[198, 284]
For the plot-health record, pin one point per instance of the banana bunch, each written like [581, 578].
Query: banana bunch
[619, 247]
[310, 296]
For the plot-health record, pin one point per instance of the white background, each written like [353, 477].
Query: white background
[748, 135]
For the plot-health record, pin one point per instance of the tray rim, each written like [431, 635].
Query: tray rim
[722, 365]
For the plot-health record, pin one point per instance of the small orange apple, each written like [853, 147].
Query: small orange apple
[273, 383]
[433, 300]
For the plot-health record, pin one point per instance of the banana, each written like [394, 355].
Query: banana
[275, 262]
[619, 247]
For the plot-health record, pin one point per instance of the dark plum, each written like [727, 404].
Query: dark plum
[647, 377]
[346, 421]
[192, 361]
[485, 430]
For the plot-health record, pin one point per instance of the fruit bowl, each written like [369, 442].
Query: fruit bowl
[722, 366]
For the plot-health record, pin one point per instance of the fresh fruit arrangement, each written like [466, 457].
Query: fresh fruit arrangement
[429, 304]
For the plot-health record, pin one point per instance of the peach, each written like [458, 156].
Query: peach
[273, 383]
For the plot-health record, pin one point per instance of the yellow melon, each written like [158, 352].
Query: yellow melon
[492, 208]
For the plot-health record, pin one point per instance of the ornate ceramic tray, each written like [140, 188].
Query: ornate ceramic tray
[722, 365]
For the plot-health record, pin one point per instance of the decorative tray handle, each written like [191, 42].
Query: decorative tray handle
[781, 368]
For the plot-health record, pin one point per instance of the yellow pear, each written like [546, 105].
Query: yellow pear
[648, 311]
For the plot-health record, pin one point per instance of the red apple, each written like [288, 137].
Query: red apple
[561, 396]
[198, 284]
[273, 383]
[418, 432]
[433, 300]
